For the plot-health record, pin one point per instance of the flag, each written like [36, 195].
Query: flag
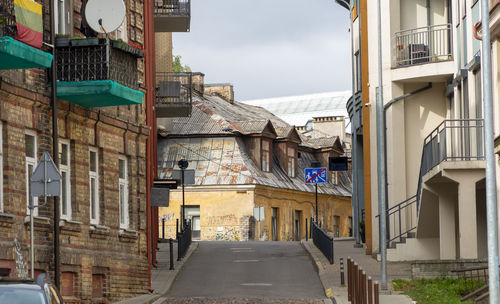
[29, 22]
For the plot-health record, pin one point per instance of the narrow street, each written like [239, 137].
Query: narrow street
[251, 272]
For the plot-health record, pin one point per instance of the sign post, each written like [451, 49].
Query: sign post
[45, 181]
[316, 176]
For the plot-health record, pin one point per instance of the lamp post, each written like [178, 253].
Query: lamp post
[183, 164]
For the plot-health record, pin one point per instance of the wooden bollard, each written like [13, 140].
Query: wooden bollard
[356, 284]
[364, 289]
[370, 290]
[375, 293]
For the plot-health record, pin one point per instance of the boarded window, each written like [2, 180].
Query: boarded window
[97, 286]
[67, 283]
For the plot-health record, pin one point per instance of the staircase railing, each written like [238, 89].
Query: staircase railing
[451, 140]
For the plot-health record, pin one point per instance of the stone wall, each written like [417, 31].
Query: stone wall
[441, 268]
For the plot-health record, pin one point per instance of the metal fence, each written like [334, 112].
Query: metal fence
[100, 61]
[422, 45]
[172, 7]
[7, 19]
[474, 283]
[184, 240]
[323, 241]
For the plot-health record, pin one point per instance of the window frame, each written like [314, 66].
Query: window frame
[123, 206]
[265, 156]
[95, 194]
[291, 161]
[30, 161]
[66, 169]
[67, 16]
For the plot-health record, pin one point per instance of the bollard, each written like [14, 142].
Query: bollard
[363, 288]
[163, 228]
[342, 282]
[349, 279]
[356, 284]
[179, 245]
[370, 290]
[171, 253]
[375, 293]
[306, 230]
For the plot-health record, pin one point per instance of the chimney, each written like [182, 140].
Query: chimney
[330, 125]
[224, 90]
[199, 82]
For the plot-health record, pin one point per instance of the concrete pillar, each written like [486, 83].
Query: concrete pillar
[447, 237]
[467, 219]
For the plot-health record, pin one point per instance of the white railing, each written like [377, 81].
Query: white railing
[422, 45]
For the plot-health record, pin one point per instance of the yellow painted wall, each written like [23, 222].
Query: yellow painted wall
[226, 212]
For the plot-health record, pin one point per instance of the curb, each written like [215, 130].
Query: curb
[158, 296]
[320, 269]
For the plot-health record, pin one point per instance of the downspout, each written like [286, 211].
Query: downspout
[386, 107]
[55, 143]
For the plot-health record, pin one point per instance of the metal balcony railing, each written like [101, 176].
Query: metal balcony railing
[174, 94]
[173, 7]
[99, 61]
[422, 45]
[7, 19]
[172, 15]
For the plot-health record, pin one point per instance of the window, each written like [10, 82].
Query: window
[62, 9]
[30, 150]
[291, 162]
[123, 185]
[65, 169]
[121, 32]
[265, 155]
[335, 178]
[336, 230]
[94, 186]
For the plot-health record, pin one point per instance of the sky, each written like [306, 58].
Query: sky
[269, 48]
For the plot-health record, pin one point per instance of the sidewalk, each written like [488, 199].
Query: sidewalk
[161, 277]
[330, 274]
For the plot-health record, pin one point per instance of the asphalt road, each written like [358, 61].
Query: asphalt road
[251, 270]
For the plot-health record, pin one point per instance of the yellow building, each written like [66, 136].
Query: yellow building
[245, 157]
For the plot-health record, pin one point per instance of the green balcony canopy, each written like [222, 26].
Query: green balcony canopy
[17, 55]
[98, 93]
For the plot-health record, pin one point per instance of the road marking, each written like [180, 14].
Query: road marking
[236, 251]
[256, 284]
[245, 261]
[240, 248]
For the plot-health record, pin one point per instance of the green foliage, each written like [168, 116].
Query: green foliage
[433, 291]
[177, 66]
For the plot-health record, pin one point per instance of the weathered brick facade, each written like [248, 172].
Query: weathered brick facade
[100, 263]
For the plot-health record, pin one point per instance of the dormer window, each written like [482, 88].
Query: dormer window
[265, 155]
[291, 162]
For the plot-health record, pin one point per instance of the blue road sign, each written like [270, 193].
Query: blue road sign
[315, 175]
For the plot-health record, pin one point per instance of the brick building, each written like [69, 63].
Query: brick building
[104, 118]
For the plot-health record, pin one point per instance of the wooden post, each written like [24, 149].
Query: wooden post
[375, 293]
[370, 290]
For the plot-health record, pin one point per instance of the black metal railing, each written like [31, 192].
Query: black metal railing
[184, 240]
[7, 19]
[172, 7]
[98, 61]
[174, 94]
[400, 220]
[422, 45]
[323, 241]
[474, 283]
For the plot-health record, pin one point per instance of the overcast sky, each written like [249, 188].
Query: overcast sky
[269, 48]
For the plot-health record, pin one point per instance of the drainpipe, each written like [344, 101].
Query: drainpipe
[491, 195]
[386, 107]
[55, 143]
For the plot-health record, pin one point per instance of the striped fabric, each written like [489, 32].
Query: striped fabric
[29, 22]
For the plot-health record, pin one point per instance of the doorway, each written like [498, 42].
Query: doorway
[298, 217]
[274, 223]
[193, 216]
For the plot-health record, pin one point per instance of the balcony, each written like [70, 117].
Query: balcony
[172, 15]
[422, 45]
[15, 54]
[95, 73]
[174, 94]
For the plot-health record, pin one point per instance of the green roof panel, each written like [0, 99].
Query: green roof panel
[99, 93]
[17, 55]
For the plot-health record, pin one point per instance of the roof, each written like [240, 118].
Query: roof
[298, 110]
[219, 155]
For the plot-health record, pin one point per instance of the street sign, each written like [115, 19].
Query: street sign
[188, 176]
[337, 163]
[46, 179]
[315, 175]
[258, 213]
[160, 196]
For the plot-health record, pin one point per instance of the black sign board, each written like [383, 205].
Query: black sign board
[160, 197]
[337, 163]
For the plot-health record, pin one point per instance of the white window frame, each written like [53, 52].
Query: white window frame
[94, 175]
[66, 169]
[66, 18]
[123, 194]
[30, 161]
[121, 32]
[291, 161]
[266, 157]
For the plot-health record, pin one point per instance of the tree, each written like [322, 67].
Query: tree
[177, 66]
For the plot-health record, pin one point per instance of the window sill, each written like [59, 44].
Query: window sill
[127, 235]
[99, 232]
[70, 227]
[39, 222]
[6, 220]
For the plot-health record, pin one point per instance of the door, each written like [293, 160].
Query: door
[298, 216]
[274, 223]
[196, 227]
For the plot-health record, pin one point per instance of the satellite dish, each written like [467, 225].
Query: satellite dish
[105, 16]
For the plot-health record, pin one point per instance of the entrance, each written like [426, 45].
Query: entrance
[274, 223]
[193, 215]
[298, 217]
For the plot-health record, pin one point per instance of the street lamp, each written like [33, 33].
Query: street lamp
[183, 164]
